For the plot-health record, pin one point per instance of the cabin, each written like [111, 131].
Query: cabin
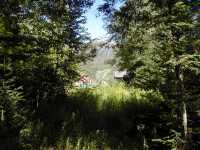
[123, 76]
[119, 75]
[85, 82]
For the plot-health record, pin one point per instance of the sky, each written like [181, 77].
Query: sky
[95, 23]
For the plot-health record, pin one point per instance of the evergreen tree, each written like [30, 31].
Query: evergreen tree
[40, 47]
[157, 44]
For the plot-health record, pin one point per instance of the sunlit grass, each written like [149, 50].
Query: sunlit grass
[112, 110]
[80, 144]
[119, 93]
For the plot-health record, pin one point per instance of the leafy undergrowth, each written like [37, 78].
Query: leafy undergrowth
[110, 117]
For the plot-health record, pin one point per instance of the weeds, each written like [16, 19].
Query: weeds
[106, 117]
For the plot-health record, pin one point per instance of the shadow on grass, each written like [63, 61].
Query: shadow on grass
[120, 122]
[124, 122]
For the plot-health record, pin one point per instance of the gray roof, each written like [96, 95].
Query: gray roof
[119, 74]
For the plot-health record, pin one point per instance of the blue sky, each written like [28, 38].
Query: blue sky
[95, 23]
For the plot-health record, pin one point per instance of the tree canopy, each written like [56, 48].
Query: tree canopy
[40, 46]
[43, 42]
[158, 45]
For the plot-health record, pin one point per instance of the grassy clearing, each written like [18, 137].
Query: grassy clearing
[120, 93]
[109, 116]
[106, 117]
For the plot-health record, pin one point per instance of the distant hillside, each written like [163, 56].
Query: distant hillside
[99, 68]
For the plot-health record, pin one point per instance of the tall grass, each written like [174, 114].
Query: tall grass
[116, 111]
[80, 144]
[120, 93]
[106, 117]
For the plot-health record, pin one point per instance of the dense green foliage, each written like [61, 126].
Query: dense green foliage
[42, 43]
[40, 47]
[158, 43]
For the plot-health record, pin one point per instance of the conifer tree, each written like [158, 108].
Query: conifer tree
[157, 44]
[40, 46]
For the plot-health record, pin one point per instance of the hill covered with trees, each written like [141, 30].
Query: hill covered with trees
[100, 67]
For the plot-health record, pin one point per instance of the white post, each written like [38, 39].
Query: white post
[185, 119]
[2, 115]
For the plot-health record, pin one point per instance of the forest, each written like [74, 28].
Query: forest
[43, 44]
